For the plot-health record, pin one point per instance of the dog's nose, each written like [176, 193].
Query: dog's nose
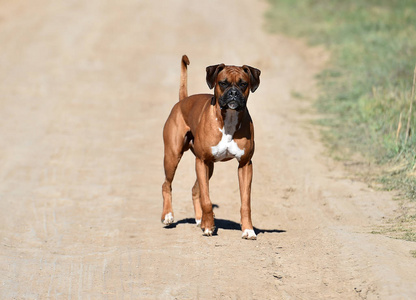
[233, 94]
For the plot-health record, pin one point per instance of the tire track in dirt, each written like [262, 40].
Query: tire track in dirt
[85, 88]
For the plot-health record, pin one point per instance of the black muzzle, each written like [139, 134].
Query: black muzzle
[233, 98]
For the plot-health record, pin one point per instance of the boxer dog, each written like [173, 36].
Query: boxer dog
[216, 128]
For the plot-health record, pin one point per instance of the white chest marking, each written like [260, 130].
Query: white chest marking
[227, 147]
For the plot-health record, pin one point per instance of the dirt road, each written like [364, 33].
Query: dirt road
[85, 88]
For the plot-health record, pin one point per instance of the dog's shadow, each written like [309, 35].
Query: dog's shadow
[224, 225]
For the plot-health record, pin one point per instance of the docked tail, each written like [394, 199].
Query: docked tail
[183, 87]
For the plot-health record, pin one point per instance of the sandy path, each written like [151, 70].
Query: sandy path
[85, 87]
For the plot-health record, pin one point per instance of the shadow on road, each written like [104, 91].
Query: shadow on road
[225, 225]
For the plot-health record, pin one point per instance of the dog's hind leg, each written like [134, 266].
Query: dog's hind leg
[196, 195]
[174, 148]
[170, 164]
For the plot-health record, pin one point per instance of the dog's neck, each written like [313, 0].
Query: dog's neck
[232, 120]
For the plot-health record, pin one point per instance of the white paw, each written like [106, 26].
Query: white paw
[249, 234]
[168, 219]
[198, 222]
[208, 232]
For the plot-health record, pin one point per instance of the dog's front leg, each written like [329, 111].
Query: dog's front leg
[245, 175]
[202, 174]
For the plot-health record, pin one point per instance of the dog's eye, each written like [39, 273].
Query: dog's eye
[243, 84]
[223, 84]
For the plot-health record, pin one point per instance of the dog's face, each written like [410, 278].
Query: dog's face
[232, 85]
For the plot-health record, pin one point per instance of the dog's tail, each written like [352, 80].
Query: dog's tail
[183, 87]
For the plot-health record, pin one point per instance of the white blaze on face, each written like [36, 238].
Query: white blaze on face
[227, 148]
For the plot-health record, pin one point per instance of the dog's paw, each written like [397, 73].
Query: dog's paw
[168, 219]
[249, 234]
[198, 222]
[208, 232]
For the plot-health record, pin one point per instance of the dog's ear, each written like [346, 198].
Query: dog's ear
[212, 73]
[254, 77]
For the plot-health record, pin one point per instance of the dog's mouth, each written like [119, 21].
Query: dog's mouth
[232, 105]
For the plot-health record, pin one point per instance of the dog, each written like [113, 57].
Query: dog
[216, 128]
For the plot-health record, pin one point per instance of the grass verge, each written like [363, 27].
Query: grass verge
[366, 91]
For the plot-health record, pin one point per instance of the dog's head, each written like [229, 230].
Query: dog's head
[232, 84]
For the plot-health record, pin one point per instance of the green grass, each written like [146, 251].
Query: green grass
[368, 83]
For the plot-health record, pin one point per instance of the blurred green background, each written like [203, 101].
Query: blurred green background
[366, 89]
